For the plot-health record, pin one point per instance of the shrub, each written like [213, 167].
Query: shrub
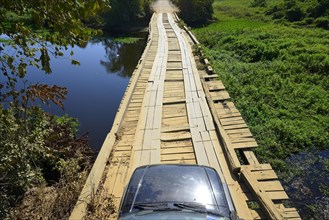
[195, 12]
[293, 11]
[322, 22]
[35, 151]
[127, 12]
[258, 3]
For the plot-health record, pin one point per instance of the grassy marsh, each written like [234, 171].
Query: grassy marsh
[277, 74]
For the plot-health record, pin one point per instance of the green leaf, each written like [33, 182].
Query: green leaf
[75, 62]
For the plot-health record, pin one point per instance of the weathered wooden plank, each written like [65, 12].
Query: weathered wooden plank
[233, 122]
[242, 140]
[175, 144]
[277, 195]
[240, 135]
[177, 150]
[265, 175]
[260, 167]
[215, 85]
[250, 144]
[176, 156]
[231, 127]
[231, 119]
[251, 157]
[120, 181]
[175, 136]
[175, 128]
[263, 199]
[238, 131]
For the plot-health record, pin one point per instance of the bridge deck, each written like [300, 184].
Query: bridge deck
[174, 113]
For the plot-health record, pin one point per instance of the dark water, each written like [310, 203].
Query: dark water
[307, 183]
[95, 88]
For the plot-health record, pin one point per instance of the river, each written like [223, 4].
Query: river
[96, 86]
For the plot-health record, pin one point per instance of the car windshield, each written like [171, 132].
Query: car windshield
[177, 185]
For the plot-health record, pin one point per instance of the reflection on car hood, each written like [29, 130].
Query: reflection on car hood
[172, 215]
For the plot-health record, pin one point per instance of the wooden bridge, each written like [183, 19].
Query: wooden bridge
[173, 112]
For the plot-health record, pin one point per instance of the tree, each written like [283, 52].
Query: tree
[195, 12]
[127, 12]
[34, 144]
[23, 47]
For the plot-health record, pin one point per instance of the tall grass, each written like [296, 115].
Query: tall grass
[277, 74]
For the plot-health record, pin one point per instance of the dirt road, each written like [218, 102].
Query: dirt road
[162, 6]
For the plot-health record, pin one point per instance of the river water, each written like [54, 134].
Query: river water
[96, 86]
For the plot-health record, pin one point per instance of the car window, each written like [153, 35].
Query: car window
[181, 184]
[176, 184]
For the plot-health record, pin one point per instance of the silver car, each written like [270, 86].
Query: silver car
[176, 192]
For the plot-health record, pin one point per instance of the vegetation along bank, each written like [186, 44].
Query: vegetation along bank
[43, 163]
[273, 57]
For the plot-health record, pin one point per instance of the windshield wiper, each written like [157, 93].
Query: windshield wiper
[197, 208]
[156, 207]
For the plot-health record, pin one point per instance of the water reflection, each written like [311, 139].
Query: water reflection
[121, 58]
[96, 86]
[307, 182]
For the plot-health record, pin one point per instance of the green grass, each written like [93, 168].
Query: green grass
[127, 40]
[277, 75]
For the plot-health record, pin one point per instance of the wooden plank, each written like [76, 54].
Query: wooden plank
[231, 127]
[291, 215]
[220, 95]
[241, 135]
[174, 121]
[251, 157]
[175, 136]
[157, 117]
[176, 144]
[178, 150]
[250, 144]
[238, 131]
[211, 155]
[232, 122]
[184, 156]
[258, 214]
[277, 195]
[120, 182]
[231, 155]
[150, 117]
[263, 199]
[173, 101]
[155, 153]
[265, 175]
[260, 167]
[175, 128]
[200, 153]
[215, 85]
[111, 176]
[242, 139]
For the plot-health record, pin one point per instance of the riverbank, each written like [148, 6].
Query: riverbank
[45, 159]
[277, 74]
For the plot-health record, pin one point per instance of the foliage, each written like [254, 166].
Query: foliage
[195, 12]
[258, 3]
[127, 12]
[26, 47]
[36, 150]
[307, 11]
[278, 77]
[127, 40]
